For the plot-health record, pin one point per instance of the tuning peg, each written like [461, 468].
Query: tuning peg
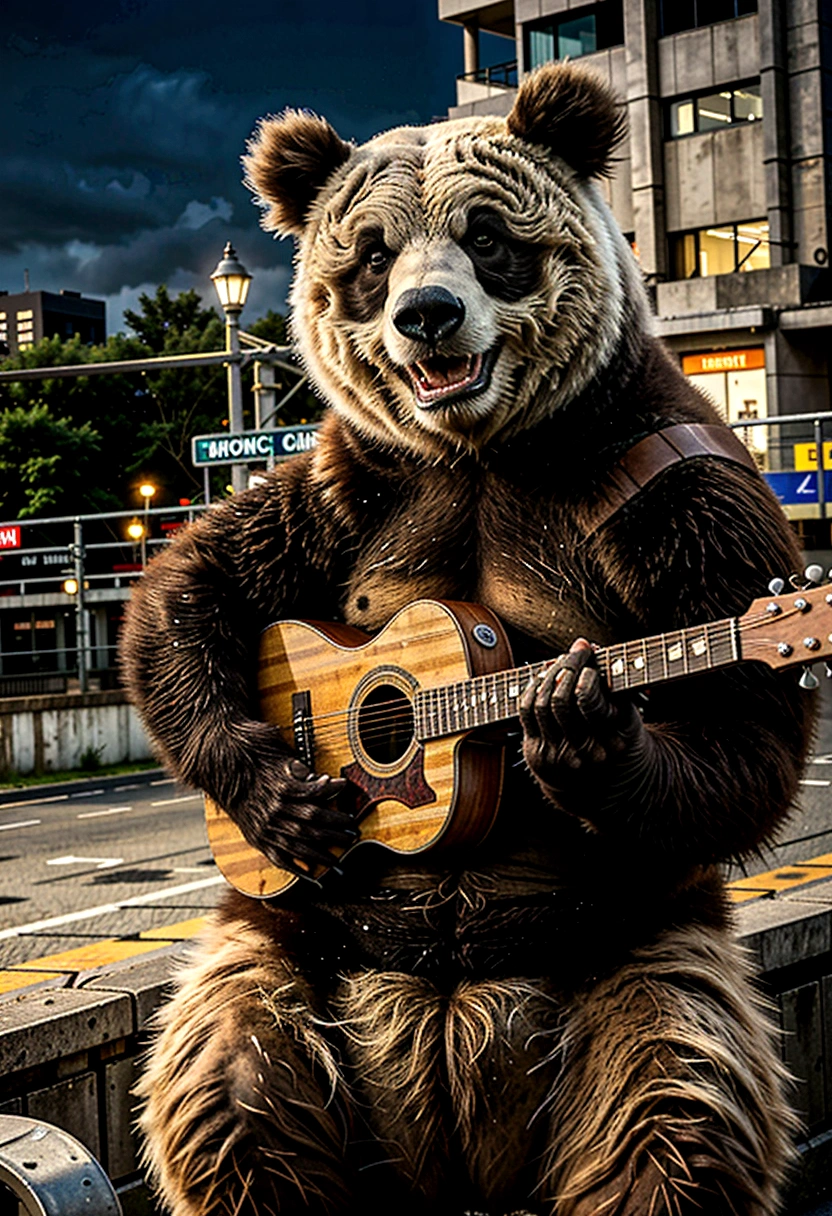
[808, 679]
[813, 573]
[828, 667]
[776, 585]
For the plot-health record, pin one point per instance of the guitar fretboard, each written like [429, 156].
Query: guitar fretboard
[486, 700]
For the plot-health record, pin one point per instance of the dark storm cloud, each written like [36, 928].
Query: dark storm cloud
[124, 122]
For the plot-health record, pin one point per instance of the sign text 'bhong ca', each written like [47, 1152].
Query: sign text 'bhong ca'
[248, 446]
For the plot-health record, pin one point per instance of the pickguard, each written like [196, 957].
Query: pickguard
[408, 787]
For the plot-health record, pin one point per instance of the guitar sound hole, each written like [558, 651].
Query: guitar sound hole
[385, 724]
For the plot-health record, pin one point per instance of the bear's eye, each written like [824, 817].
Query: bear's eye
[483, 242]
[376, 258]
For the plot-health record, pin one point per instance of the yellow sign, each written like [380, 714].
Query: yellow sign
[724, 361]
[806, 457]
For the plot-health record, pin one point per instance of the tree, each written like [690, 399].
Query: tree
[162, 319]
[47, 464]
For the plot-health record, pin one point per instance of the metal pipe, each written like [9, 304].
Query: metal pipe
[80, 608]
[820, 473]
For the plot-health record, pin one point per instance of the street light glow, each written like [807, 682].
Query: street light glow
[135, 530]
[71, 586]
[147, 490]
[231, 280]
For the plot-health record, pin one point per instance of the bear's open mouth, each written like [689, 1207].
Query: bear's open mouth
[439, 380]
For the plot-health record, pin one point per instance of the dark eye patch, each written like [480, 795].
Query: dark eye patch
[364, 285]
[507, 268]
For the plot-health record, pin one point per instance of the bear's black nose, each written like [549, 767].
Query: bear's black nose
[428, 314]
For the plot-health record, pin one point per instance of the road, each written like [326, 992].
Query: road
[66, 858]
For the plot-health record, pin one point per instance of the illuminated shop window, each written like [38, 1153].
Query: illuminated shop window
[721, 250]
[715, 111]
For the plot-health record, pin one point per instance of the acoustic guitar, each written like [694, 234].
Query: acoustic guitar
[409, 716]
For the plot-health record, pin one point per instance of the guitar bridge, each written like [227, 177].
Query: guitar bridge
[302, 728]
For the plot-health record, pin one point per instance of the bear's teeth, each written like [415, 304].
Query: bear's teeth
[454, 373]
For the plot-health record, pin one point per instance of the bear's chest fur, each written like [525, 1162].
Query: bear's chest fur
[475, 534]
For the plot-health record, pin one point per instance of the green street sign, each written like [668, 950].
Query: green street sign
[247, 446]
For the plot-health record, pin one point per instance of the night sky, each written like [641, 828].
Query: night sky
[123, 123]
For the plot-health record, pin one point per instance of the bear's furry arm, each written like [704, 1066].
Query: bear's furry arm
[730, 744]
[190, 642]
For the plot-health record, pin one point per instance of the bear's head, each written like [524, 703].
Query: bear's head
[456, 281]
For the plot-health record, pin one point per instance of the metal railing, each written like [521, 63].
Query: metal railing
[71, 562]
[780, 457]
[503, 75]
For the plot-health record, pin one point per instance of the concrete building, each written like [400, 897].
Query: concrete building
[27, 317]
[724, 187]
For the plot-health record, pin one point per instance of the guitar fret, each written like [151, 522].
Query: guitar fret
[494, 697]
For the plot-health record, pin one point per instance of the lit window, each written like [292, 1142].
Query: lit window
[581, 32]
[715, 111]
[721, 250]
[25, 314]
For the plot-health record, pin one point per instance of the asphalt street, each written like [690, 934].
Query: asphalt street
[67, 857]
[104, 859]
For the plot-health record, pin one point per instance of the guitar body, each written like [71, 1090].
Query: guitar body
[343, 701]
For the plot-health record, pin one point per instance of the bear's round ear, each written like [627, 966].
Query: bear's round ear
[289, 159]
[573, 113]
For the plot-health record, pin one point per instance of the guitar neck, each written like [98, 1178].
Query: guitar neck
[491, 699]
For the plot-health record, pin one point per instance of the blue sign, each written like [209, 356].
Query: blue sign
[793, 488]
[248, 446]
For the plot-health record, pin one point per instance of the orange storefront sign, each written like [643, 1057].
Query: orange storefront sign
[724, 361]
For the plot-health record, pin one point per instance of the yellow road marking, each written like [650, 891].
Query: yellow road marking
[784, 878]
[175, 933]
[11, 980]
[86, 958]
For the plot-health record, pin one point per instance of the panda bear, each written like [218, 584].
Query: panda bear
[555, 1020]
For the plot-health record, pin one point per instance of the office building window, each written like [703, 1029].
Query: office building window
[714, 111]
[722, 250]
[579, 32]
[679, 15]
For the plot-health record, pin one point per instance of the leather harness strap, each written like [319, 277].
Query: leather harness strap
[643, 463]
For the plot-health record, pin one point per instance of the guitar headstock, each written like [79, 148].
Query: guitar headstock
[785, 629]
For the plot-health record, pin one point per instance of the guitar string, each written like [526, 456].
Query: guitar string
[380, 719]
[656, 647]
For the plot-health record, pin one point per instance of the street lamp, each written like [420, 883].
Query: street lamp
[232, 281]
[147, 490]
[137, 532]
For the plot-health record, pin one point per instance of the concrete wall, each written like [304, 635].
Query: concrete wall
[51, 733]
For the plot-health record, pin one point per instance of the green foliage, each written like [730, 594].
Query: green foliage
[163, 320]
[46, 464]
[92, 440]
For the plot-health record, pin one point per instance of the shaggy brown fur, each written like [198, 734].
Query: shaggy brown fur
[555, 1021]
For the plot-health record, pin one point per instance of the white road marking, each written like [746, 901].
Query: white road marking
[821, 760]
[6, 806]
[100, 863]
[170, 801]
[119, 789]
[37, 926]
[811, 781]
[111, 810]
[87, 794]
[164, 781]
[24, 823]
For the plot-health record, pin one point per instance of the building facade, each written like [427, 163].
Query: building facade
[28, 316]
[723, 187]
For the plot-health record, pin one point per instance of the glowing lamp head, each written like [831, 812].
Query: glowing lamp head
[70, 586]
[147, 490]
[135, 530]
[231, 280]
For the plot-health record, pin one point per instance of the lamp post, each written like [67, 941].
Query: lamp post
[137, 532]
[147, 490]
[232, 281]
